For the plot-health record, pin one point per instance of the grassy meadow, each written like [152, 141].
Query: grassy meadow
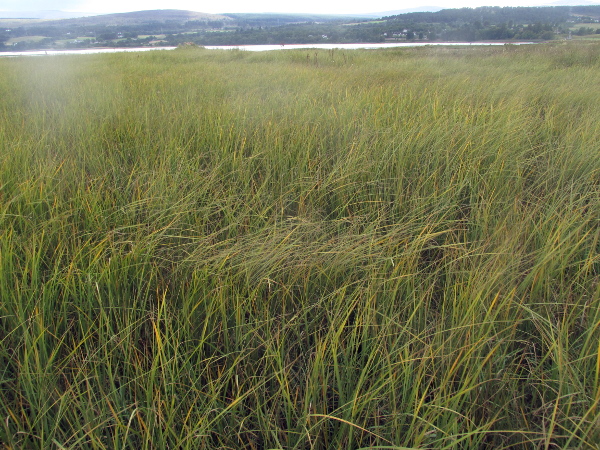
[388, 249]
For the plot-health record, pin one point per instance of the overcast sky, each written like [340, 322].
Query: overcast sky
[224, 6]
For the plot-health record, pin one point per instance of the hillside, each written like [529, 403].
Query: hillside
[497, 14]
[140, 17]
[174, 27]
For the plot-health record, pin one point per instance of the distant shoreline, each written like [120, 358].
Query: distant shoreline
[256, 48]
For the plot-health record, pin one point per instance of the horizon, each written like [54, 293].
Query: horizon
[261, 6]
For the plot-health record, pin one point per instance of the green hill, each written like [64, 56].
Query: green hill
[140, 17]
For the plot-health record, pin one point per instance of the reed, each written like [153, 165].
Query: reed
[354, 249]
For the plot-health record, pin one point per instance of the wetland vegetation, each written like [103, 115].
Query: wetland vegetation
[301, 249]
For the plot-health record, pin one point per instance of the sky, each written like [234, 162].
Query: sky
[230, 6]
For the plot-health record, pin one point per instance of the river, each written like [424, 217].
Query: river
[254, 48]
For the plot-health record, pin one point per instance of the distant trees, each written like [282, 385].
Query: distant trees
[204, 24]
[493, 15]
[583, 31]
[109, 36]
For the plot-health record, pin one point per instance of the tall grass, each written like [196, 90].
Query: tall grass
[300, 249]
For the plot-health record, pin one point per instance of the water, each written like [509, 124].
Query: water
[261, 48]
[86, 51]
[252, 48]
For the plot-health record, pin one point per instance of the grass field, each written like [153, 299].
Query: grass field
[25, 39]
[301, 249]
